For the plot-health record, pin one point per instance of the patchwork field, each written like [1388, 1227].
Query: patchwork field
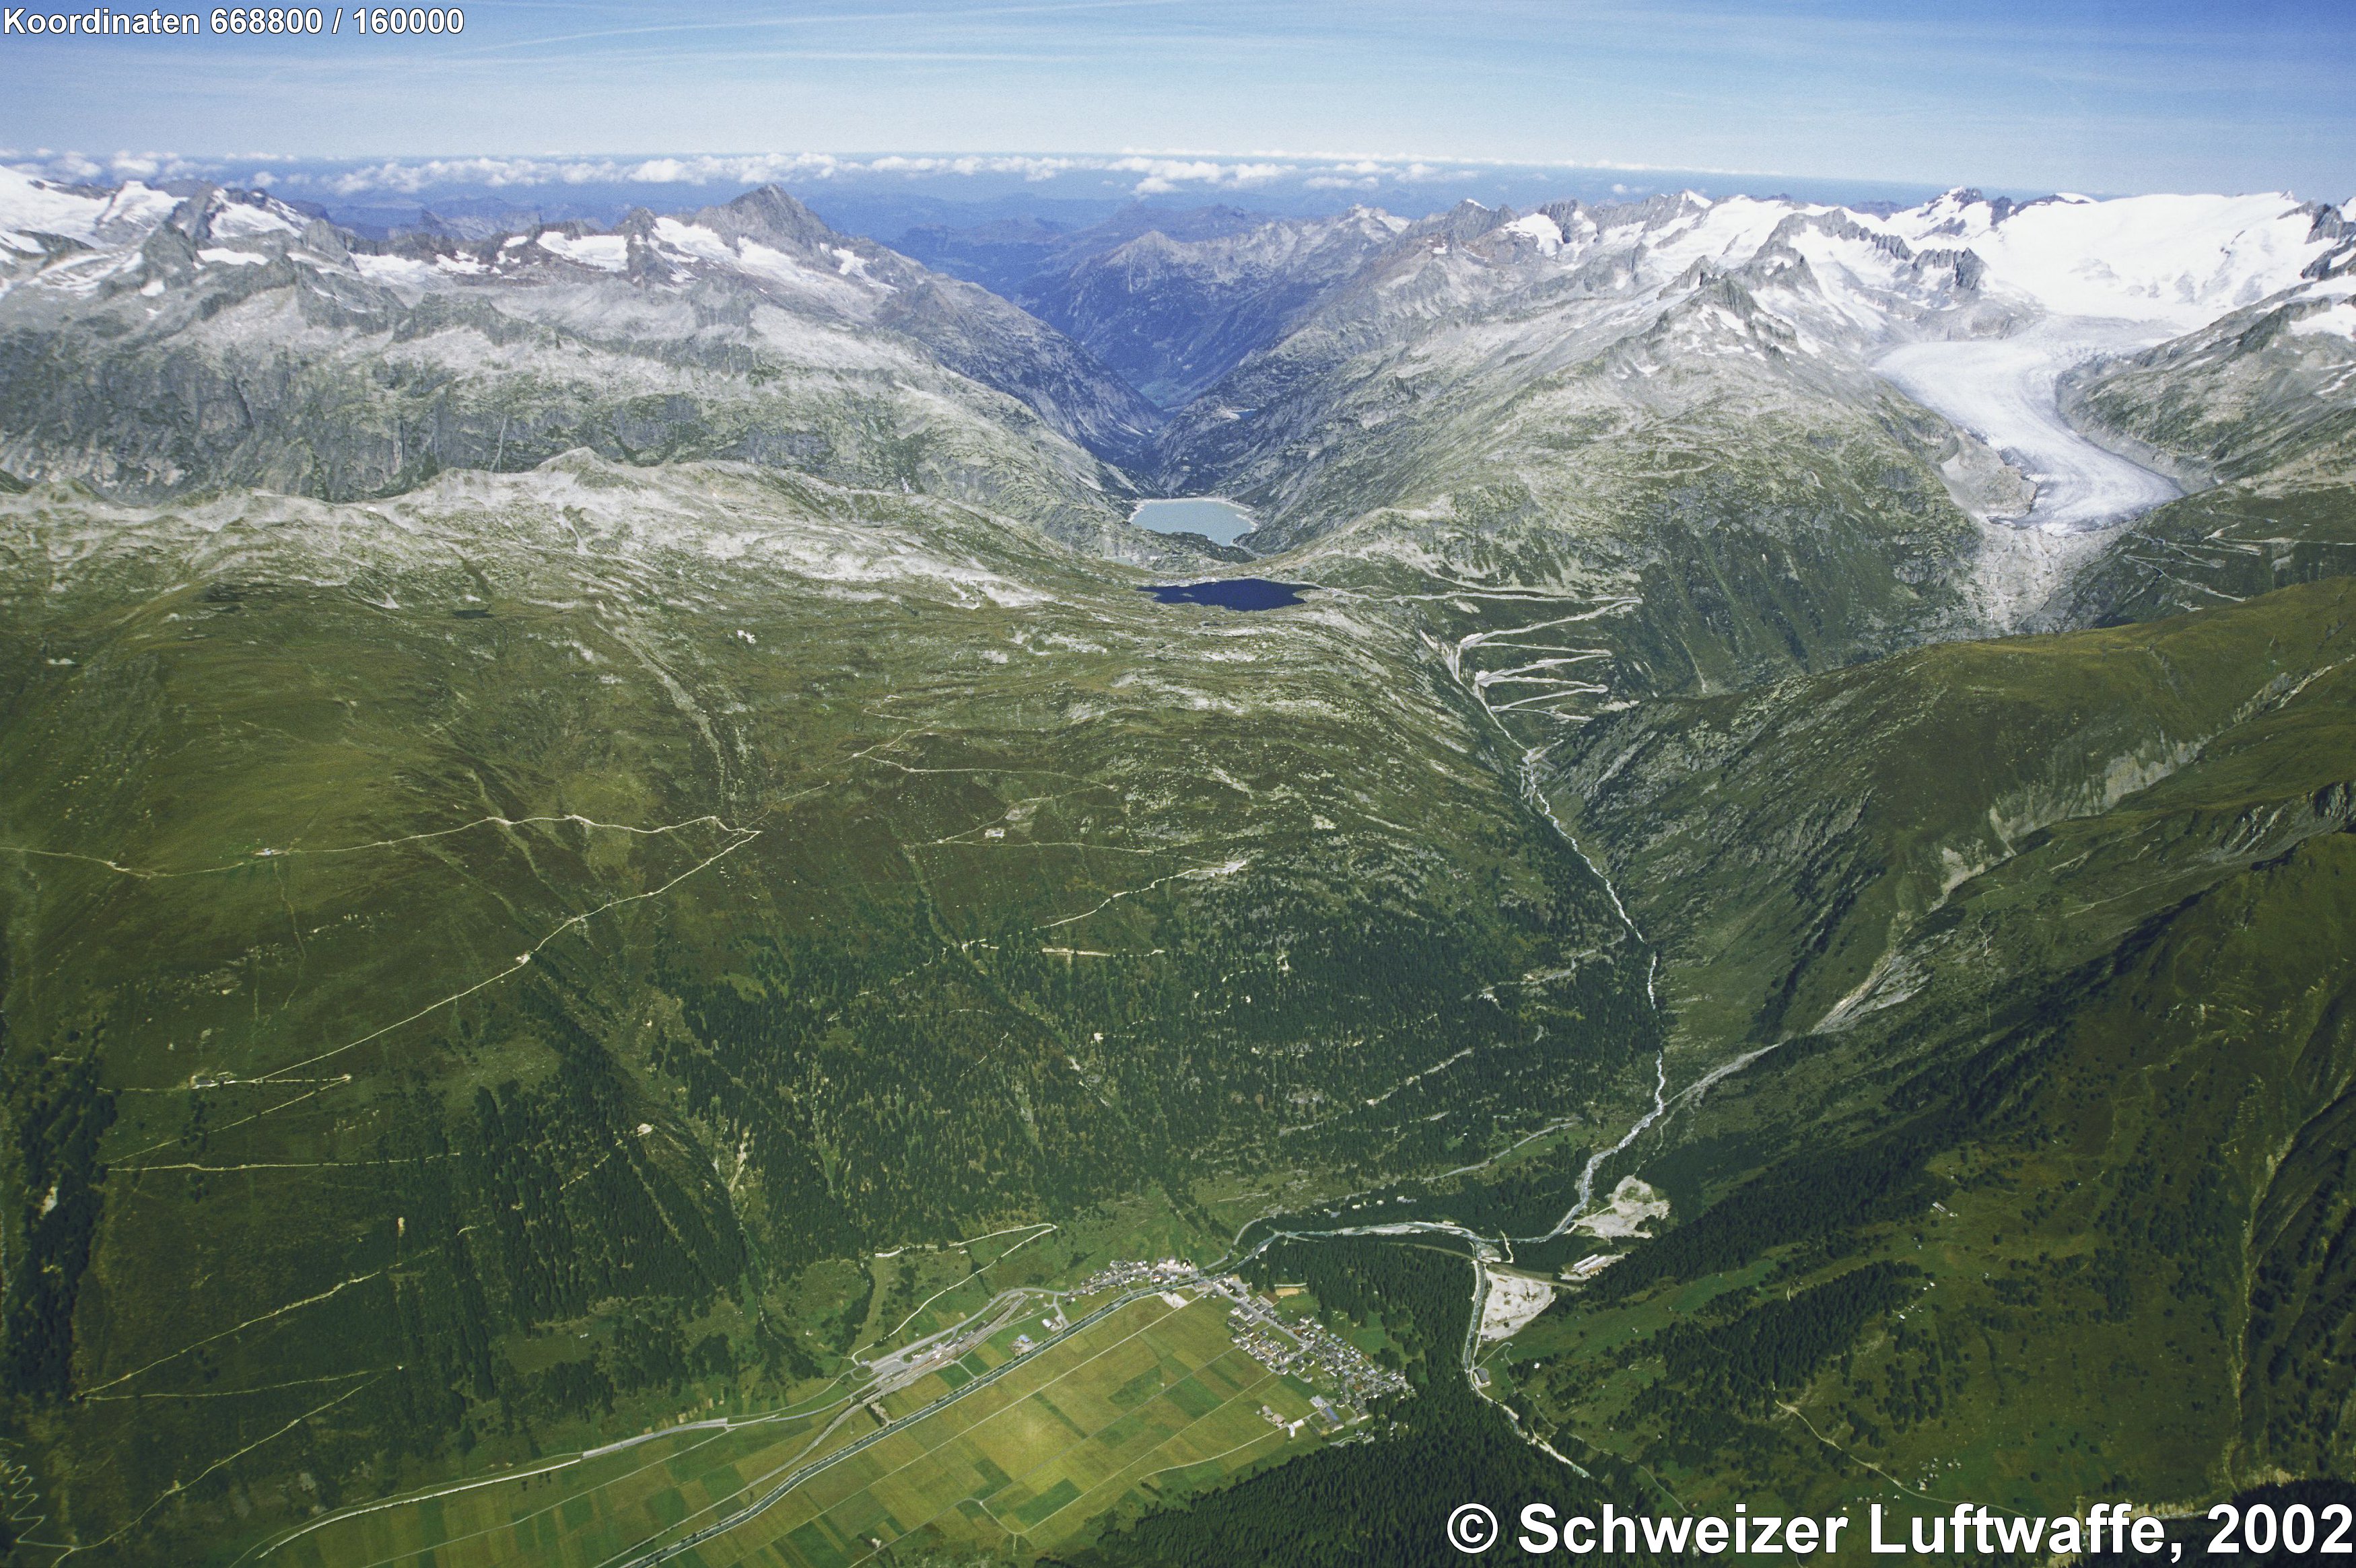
[1152, 1402]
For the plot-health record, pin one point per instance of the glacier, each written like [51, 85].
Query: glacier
[2006, 391]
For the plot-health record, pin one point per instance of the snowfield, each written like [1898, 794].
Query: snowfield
[2177, 262]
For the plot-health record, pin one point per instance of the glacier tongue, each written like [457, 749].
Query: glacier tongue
[2100, 278]
[2004, 391]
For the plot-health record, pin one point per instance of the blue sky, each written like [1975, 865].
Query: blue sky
[2062, 94]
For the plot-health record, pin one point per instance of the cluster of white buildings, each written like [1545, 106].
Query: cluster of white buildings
[1134, 1272]
[1301, 1348]
[1305, 1348]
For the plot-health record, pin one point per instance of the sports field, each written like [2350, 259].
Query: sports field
[1150, 1400]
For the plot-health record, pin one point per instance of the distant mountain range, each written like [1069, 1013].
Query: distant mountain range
[159, 342]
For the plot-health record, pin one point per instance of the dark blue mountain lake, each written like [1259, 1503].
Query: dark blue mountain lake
[1232, 592]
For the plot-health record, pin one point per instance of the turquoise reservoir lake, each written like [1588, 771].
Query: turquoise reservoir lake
[1221, 522]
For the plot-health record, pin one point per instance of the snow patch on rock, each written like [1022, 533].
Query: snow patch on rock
[607, 253]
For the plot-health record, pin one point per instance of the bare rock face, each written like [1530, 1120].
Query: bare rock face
[1174, 315]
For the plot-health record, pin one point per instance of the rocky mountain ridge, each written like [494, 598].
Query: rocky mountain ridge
[1174, 315]
[151, 342]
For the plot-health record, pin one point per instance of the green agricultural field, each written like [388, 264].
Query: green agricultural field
[1151, 1402]
[583, 1509]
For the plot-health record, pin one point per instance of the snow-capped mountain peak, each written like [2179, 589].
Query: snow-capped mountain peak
[2176, 261]
[30, 207]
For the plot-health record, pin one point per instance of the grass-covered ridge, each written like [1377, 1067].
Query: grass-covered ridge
[539, 939]
[2034, 958]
